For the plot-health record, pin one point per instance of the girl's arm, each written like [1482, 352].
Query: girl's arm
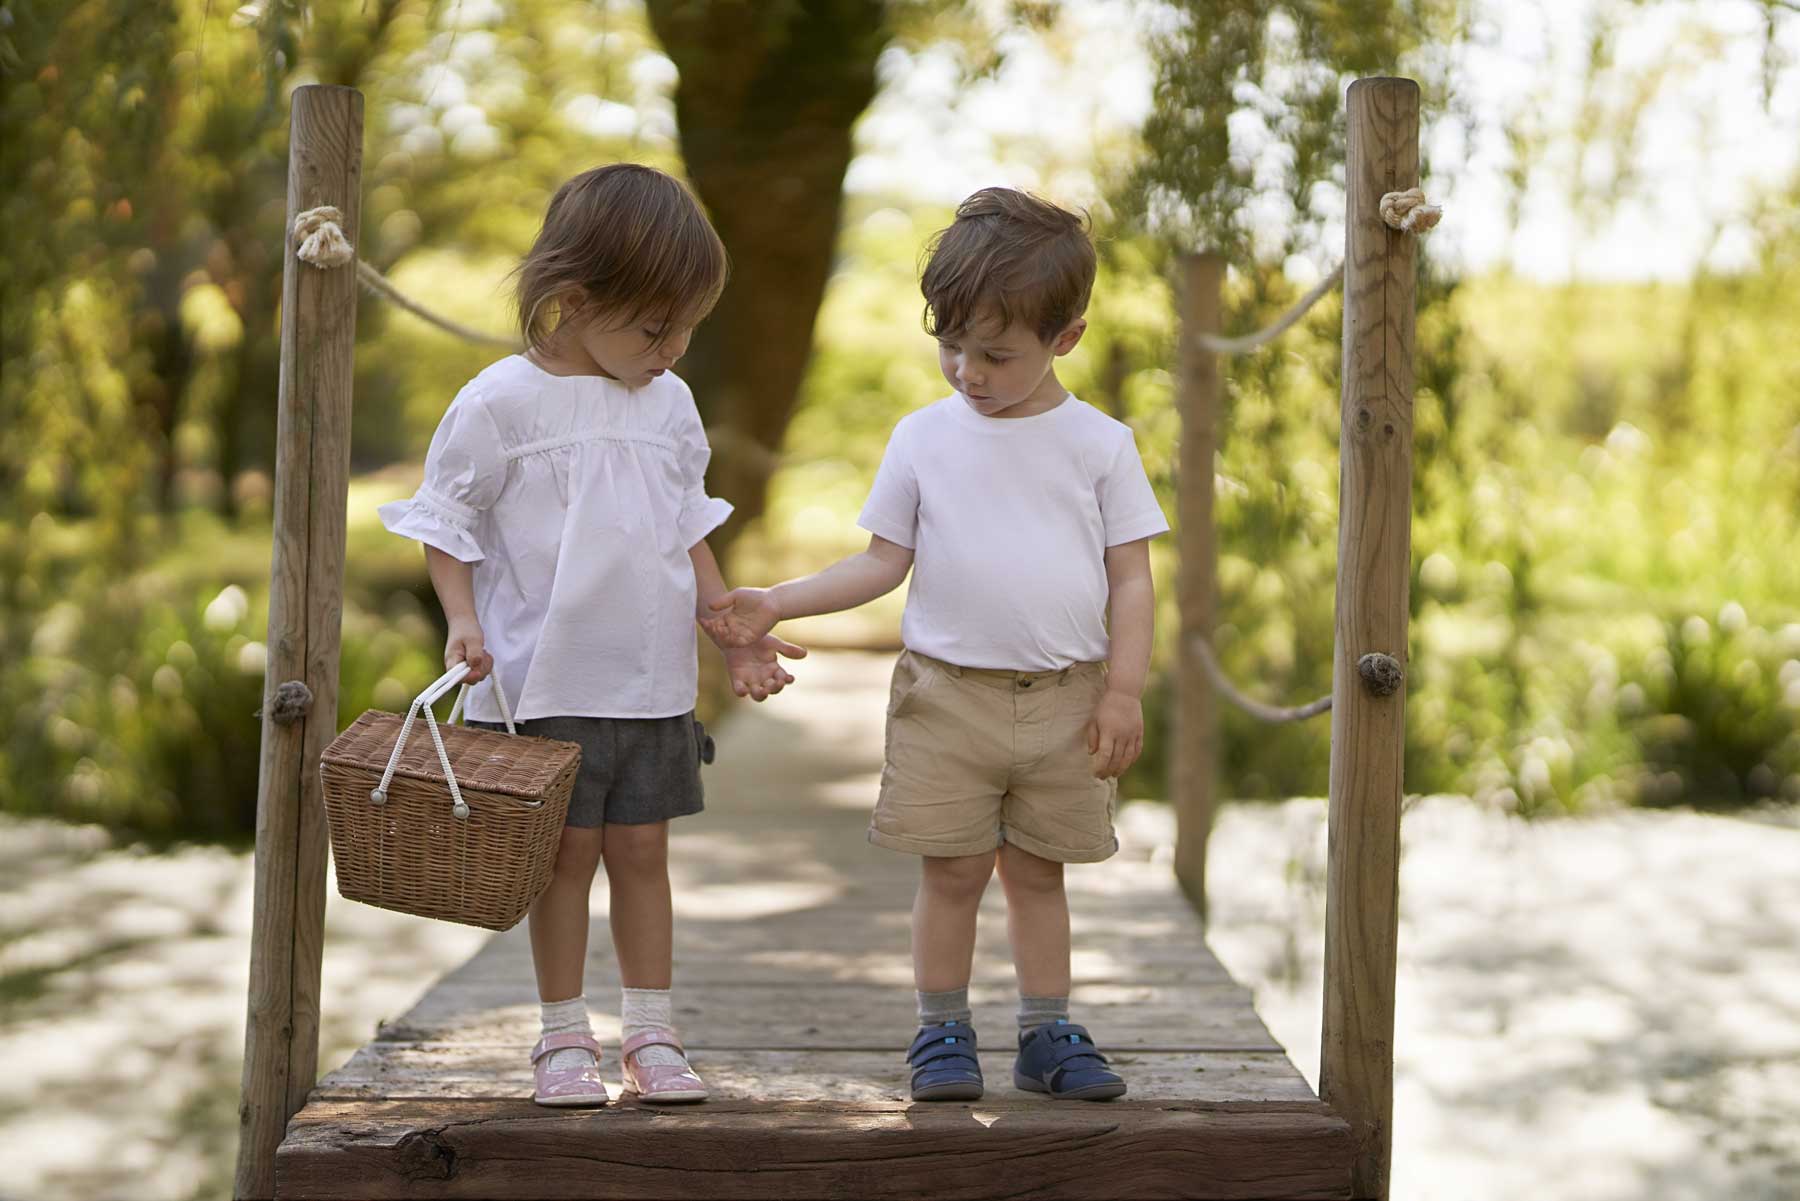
[1116, 731]
[755, 670]
[454, 581]
[747, 614]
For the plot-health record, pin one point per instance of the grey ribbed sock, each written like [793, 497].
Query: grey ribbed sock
[1037, 1011]
[939, 1007]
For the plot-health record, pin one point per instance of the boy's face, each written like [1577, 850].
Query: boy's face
[1006, 372]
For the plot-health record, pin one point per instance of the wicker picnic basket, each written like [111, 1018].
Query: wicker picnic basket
[461, 826]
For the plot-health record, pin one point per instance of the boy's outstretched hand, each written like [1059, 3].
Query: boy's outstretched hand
[1115, 734]
[743, 617]
[755, 670]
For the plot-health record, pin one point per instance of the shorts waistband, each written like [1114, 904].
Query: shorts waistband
[1000, 677]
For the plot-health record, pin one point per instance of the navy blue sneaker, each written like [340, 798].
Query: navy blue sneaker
[944, 1064]
[1061, 1059]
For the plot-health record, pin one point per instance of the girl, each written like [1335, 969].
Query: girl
[564, 518]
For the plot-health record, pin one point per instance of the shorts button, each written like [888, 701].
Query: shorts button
[1024, 683]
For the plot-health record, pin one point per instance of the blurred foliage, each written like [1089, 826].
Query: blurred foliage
[1606, 545]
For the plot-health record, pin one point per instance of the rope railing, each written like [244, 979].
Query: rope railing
[1405, 211]
[1408, 212]
[1261, 710]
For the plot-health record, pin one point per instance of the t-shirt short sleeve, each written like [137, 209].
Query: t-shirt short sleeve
[892, 510]
[700, 514]
[464, 472]
[1127, 502]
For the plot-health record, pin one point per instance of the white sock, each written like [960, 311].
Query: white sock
[643, 1008]
[567, 1017]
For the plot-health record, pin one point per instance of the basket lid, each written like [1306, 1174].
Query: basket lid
[484, 760]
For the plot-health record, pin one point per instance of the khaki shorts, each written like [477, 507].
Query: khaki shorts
[977, 757]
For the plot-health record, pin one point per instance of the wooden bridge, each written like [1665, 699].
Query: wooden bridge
[791, 939]
[793, 984]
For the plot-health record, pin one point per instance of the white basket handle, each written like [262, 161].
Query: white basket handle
[422, 703]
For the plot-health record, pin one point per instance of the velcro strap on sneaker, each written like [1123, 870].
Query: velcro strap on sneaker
[935, 1042]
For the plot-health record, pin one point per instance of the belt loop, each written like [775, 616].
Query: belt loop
[955, 669]
[1062, 677]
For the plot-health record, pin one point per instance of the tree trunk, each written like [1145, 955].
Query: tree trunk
[765, 102]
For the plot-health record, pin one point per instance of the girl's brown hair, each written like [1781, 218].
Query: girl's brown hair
[634, 241]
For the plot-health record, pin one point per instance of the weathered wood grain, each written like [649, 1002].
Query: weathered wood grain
[312, 472]
[493, 1149]
[464, 1071]
[1194, 743]
[1374, 548]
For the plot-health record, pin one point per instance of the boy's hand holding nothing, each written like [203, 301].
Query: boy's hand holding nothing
[1115, 734]
[744, 616]
[755, 670]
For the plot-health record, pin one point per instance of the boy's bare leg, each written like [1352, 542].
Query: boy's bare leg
[643, 922]
[1037, 921]
[943, 933]
[559, 917]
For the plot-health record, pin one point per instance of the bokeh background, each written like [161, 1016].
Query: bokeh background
[1606, 517]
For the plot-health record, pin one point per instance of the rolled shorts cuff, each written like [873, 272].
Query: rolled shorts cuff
[1044, 850]
[930, 849]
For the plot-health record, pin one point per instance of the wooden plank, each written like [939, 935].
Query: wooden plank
[453, 1149]
[844, 1016]
[442, 1071]
[312, 471]
[1374, 549]
[1193, 769]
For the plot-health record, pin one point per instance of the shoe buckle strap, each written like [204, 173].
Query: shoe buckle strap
[653, 1036]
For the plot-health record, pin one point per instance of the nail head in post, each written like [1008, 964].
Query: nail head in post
[293, 701]
[1380, 673]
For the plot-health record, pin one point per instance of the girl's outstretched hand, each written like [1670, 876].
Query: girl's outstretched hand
[755, 670]
[742, 617]
[467, 644]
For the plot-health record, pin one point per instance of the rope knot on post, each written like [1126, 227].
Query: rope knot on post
[321, 238]
[1409, 212]
[1381, 674]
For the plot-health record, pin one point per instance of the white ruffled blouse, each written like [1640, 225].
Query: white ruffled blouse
[576, 498]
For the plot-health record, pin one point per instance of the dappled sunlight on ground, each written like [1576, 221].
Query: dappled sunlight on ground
[1605, 1009]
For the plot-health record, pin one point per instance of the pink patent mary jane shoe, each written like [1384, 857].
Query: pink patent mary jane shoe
[567, 1086]
[659, 1083]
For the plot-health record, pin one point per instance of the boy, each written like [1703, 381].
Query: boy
[1025, 518]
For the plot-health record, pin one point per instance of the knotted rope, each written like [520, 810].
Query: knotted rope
[1405, 211]
[320, 241]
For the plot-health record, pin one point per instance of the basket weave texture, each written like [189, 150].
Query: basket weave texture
[411, 854]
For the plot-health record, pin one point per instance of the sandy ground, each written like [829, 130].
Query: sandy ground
[1605, 1009]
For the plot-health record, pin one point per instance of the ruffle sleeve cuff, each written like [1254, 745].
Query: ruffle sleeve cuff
[701, 517]
[436, 520]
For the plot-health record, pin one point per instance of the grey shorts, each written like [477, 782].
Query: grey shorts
[634, 770]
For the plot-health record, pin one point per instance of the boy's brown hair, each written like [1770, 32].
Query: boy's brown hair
[1011, 256]
[634, 240]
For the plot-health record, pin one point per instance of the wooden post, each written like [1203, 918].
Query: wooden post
[312, 473]
[1356, 1072]
[1193, 762]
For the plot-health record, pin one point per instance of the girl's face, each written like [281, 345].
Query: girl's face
[613, 345]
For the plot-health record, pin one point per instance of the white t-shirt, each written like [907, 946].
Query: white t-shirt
[1009, 519]
[576, 498]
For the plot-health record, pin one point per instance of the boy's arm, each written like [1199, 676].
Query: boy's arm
[755, 670]
[747, 614]
[1116, 731]
[454, 582]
